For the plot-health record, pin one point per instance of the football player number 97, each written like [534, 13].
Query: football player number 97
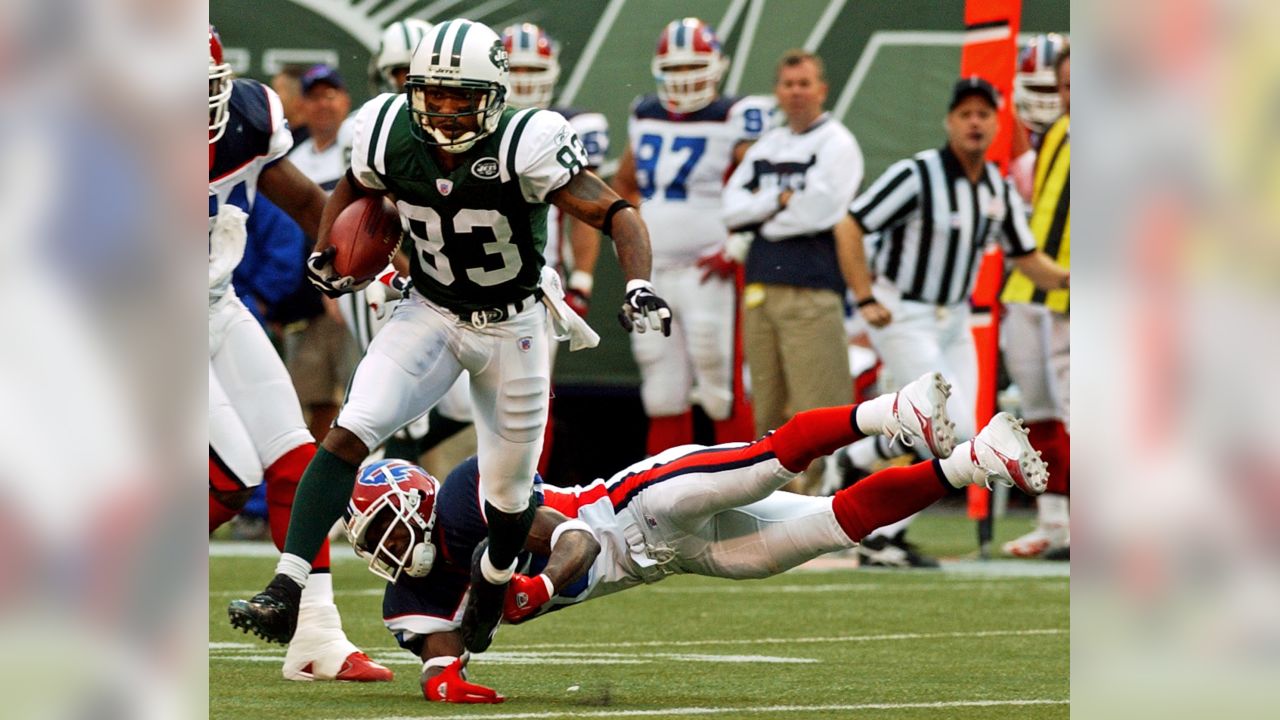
[427, 228]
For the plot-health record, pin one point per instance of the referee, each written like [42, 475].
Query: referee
[934, 213]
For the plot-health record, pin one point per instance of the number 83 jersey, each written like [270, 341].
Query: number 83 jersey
[478, 232]
[681, 164]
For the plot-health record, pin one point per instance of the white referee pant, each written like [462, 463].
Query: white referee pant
[924, 337]
[1037, 353]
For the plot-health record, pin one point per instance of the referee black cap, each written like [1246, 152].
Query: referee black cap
[974, 85]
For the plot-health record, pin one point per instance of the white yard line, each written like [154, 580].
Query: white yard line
[794, 640]
[550, 658]
[548, 650]
[594, 43]
[731, 14]
[826, 709]
[825, 22]
[744, 47]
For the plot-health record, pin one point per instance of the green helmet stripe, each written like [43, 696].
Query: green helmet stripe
[515, 142]
[377, 132]
[408, 43]
[456, 60]
[439, 46]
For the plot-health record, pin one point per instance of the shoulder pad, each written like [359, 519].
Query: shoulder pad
[249, 102]
[649, 107]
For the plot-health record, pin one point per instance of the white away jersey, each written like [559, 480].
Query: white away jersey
[256, 136]
[681, 164]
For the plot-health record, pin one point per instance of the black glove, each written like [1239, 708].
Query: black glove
[641, 305]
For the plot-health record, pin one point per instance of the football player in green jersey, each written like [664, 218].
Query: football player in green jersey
[472, 179]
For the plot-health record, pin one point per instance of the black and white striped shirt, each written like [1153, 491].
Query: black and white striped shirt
[933, 223]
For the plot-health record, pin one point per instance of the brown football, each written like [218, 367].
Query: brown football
[365, 236]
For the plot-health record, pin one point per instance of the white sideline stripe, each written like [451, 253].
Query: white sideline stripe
[594, 43]
[744, 47]
[255, 549]
[825, 22]
[774, 641]
[942, 705]
[727, 589]
[898, 37]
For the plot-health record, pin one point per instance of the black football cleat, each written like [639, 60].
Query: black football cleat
[271, 614]
[484, 607]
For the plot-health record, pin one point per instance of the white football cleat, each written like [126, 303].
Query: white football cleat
[321, 651]
[1002, 452]
[920, 412]
[1038, 541]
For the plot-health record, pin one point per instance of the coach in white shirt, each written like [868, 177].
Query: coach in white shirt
[791, 188]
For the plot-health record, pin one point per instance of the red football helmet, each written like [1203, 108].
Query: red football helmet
[1035, 89]
[390, 517]
[535, 65]
[688, 65]
[219, 88]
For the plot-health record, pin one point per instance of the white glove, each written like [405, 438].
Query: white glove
[227, 239]
[321, 274]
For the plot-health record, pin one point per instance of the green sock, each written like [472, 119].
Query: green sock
[323, 494]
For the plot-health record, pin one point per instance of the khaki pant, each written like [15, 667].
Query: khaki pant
[795, 344]
[320, 356]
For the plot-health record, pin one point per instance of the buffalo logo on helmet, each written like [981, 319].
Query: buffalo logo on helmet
[383, 473]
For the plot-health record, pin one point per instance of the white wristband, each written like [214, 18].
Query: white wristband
[441, 661]
[562, 528]
[638, 283]
[551, 589]
[582, 281]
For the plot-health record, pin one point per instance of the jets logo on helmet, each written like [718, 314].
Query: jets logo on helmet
[395, 50]
[457, 85]
[535, 65]
[390, 517]
[1035, 89]
[219, 88]
[688, 65]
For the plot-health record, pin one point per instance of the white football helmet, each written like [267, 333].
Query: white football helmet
[397, 500]
[688, 65]
[219, 88]
[1035, 87]
[535, 65]
[468, 59]
[395, 50]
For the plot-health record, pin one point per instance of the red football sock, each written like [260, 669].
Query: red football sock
[1051, 439]
[888, 496]
[738, 427]
[668, 431]
[282, 483]
[812, 434]
[218, 513]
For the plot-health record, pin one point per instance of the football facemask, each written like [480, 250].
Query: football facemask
[1035, 87]
[219, 88]
[457, 85]
[535, 65]
[688, 65]
[390, 518]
